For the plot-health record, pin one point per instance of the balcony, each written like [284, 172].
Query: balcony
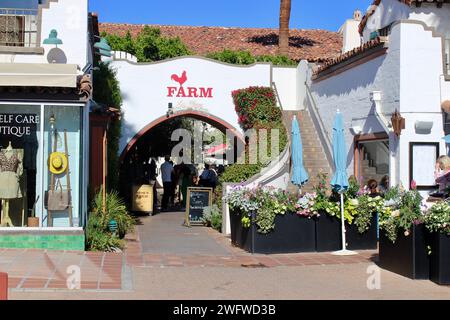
[18, 30]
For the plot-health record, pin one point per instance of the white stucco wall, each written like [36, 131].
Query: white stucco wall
[420, 98]
[390, 11]
[70, 19]
[410, 78]
[145, 89]
[350, 91]
[350, 35]
[285, 79]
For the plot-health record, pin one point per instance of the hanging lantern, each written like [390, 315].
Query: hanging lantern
[446, 106]
[398, 123]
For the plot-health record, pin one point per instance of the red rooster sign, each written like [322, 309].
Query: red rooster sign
[181, 80]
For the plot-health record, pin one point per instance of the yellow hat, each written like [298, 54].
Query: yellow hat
[57, 163]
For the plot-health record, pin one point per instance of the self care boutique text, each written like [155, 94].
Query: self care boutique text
[18, 125]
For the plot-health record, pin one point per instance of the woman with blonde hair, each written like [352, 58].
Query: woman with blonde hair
[442, 173]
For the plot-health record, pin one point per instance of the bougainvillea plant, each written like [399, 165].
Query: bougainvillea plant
[256, 105]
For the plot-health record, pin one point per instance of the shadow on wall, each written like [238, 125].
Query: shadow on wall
[348, 81]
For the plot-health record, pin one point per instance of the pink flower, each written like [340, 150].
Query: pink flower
[413, 185]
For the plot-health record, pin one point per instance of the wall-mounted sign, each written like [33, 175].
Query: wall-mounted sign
[18, 125]
[423, 158]
[187, 92]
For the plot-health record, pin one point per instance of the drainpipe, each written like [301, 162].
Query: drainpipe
[394, 141]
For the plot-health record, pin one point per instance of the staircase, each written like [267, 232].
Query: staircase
[369, 172]
[314, 157]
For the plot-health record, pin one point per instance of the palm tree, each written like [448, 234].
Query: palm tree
[285, 17]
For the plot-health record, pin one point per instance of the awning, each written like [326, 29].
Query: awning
[38, 75]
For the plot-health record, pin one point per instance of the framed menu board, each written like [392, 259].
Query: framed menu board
[197, 200]
[422, 162]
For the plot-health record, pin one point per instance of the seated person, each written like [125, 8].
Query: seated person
[442, 174]
[373, 188]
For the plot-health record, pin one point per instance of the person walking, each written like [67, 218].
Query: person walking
[166, 173]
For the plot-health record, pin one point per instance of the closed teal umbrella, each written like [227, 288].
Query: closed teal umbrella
[299, 174]
[340, 178]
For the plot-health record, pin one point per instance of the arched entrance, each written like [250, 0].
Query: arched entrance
[215, 121]
[141, 159]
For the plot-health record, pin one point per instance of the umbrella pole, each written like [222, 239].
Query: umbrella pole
[344, 251]
[344, 232]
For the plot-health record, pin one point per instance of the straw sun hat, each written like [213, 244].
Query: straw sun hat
[57, 163]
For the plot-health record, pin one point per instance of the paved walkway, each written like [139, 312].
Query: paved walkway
[41, 269]
[164, 260]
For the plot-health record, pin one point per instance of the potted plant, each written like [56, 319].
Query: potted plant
[267, 221]
[403, 240]
[437, 222]
[360, 213]
[33, 221]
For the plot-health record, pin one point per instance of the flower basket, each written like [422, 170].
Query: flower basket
[408, 256]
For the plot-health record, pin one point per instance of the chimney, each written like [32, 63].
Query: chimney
[350, 32]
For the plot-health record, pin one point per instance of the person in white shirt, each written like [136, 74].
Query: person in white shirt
[166, 173]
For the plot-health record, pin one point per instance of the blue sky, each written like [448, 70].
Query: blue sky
[306, 14]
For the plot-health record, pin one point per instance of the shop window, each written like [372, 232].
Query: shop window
[62, 139]
[40, 152]
[19, 163]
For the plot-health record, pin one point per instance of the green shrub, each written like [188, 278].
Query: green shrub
[99, 238]
[238, 173]
[212, 217]
[246, 58]
[98, 235]
[107, 92]
[149, 45]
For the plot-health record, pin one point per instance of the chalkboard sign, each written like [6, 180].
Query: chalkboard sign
[197, 200]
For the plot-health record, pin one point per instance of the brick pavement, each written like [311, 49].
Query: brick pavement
[42, 269]
[31, 269]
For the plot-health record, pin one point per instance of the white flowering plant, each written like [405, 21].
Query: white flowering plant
[437, 218]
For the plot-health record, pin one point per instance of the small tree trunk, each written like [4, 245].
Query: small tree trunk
[285, 17]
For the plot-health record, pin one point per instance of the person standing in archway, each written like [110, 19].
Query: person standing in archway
[166, 173]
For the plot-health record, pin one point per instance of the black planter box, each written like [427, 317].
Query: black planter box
[408, 256]
[292, 234]
[328, 233]
[362, 241]
[440, 258]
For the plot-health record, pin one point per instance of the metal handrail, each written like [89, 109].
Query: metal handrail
[322, 132]
[274, 87]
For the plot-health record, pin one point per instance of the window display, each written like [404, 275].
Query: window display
[19, 141]
[40, 165]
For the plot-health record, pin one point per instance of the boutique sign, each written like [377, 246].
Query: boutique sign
[18, 125]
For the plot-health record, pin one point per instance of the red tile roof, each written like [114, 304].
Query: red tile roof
[378, 42]
[313, 45]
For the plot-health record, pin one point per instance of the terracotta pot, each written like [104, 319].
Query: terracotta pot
[33, 222]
